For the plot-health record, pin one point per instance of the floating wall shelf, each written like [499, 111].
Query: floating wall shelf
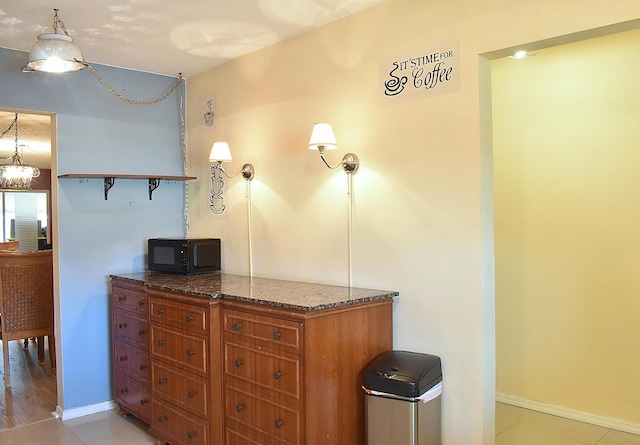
[109, 180]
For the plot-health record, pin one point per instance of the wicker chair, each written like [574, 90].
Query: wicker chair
[26, 302]
[9, 245]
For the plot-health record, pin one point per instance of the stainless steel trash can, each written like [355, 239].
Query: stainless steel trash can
[403, 393]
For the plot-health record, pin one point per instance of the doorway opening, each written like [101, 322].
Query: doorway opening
[28, 217]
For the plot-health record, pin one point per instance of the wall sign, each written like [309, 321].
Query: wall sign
[421, 73]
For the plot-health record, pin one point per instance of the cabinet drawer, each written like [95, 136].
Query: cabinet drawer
[130, 300]
[133, 396]
[131, 329]
[180, 349]
[176, 427]
[275, 372]
[186, 390]
[180, 315]
[131, 360]
[277, 421]
[267, 331]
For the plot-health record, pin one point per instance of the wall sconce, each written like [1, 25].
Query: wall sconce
[322, 138]
[220, 153]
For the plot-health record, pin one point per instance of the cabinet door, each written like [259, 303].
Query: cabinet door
[180, 349]
[131, 360]
[178, 427]
[179, 315]
[269, 332]
[133, 396]
[274, 421]
[272, 371]
[130, 329]
[130, 300]
[186, 390]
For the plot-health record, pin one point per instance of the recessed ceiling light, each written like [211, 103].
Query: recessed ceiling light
[523, 54]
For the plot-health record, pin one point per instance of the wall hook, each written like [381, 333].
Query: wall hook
[208, 116]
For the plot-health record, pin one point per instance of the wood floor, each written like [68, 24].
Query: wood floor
[32, 395]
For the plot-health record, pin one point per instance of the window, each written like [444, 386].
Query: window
[25, 218]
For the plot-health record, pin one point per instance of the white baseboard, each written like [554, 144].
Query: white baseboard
[607, 422]
[68, 414]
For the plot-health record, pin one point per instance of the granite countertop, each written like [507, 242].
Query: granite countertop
[280, 293]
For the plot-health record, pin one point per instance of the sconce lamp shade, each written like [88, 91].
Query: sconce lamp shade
[220, 152]
[322, 136]
[55, 53]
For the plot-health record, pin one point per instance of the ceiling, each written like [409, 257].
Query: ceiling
[34, 139]
[169, 37]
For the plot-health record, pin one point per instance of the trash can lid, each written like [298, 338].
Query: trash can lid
[403, 373]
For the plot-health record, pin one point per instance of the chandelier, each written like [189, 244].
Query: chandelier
[16, 175]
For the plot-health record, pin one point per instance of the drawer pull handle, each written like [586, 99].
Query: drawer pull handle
[122, 325]
[143, 401]
[160, 311]
[276, 335]
[190, 352]
[141, 332]
[161, 382]
[191, 394]
[191, 435]
[238, 362]
[124, 390]
[161, 419]
[142, 367]
[123, 358]
[160, 342]
[189, 320]
[237, 326]
[278, 423]
[239, 407]
[277, 375]
[121, 298]
[140, 303]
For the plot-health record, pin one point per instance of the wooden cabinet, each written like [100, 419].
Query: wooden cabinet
[131, 363]
[223, 359]
[185, 369]
[293, 377]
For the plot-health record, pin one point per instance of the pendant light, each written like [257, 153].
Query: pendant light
[54, 52]
[17, 175]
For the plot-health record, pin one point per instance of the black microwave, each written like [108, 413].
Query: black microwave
[184, 255]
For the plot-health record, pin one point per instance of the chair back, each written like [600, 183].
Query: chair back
[9, 245]
[26, 294]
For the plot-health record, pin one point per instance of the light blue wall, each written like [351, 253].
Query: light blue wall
[98, 133]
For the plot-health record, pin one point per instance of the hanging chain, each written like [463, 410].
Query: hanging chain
[133, 101]
[57, 21]
[13, 122]
[183, 141]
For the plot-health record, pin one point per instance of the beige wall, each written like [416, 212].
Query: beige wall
[422, 200]
[566, 156]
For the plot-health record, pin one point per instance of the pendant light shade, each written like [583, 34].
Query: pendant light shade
[55, 53]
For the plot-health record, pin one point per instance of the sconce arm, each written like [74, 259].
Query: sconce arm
[349, 163]
[247, 171]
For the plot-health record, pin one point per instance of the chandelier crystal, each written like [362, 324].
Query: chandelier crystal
[17, 175]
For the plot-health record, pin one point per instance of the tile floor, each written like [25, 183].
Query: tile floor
[514, 426]
[96, 429]
[518, 426]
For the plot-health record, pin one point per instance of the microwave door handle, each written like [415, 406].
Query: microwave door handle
[195, 256]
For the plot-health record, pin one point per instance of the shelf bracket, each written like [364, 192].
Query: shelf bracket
[154, 183]
[108, 183]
